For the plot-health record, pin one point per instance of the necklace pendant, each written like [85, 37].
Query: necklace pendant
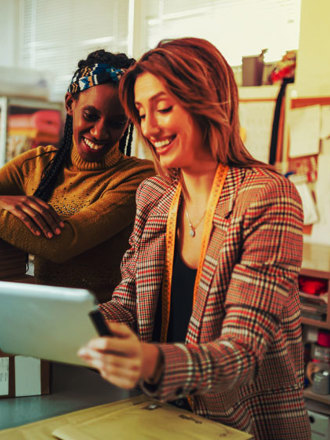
[192, 232]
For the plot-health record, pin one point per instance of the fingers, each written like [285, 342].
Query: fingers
[38, 216]
[24, 216]
[124, 341]
[53, 219]
[118, 358]
[128, 348]
[124, 372]
[42, 217]
[120, 329]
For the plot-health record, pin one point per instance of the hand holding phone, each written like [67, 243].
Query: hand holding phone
[100, 323]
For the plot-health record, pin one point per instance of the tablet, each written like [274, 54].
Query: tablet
[45, 322]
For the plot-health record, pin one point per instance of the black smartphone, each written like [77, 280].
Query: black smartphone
[99, 323]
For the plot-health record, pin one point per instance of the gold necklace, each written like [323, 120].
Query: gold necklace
[192, 228]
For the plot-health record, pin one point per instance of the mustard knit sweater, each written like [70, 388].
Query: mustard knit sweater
[96, 200]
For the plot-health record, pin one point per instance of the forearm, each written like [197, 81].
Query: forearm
[80, 233]
[56, 249]
[197, 369]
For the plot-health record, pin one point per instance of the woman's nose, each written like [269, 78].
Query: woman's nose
[150, 126]
[99, 130]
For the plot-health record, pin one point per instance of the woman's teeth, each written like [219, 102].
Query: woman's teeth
[163, 143]
[91, 144]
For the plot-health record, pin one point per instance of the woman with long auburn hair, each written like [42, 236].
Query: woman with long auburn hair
[207, 313]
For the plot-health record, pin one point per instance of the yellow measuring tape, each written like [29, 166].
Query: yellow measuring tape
[218, 182]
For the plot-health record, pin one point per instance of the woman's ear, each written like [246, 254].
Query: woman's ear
[68, 103]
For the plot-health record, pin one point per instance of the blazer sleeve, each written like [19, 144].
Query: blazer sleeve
[261, 282]
[122, 306]
[98, 222]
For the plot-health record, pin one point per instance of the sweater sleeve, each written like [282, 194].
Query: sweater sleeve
[261, 285]
[12, 178]
[94, 224]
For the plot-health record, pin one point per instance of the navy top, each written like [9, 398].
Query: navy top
[183, 280]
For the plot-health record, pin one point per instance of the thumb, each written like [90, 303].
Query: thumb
[119, 329]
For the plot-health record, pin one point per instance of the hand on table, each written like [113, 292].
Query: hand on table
[121, 359]
[38, 216]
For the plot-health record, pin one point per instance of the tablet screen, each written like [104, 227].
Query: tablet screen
[45, 322]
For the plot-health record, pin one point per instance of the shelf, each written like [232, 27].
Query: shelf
[316, 260]
[258, 93]
[315, 323]
[316, 263]
[34, 104]
[18, 105]
[322, 398]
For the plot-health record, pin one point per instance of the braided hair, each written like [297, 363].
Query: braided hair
[52, 170]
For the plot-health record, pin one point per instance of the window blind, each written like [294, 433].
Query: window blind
[56, 35]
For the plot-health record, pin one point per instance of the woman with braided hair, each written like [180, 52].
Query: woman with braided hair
[73, 207]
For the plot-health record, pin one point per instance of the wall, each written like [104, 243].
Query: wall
[313, 64]
[9, 32]
[313, 67]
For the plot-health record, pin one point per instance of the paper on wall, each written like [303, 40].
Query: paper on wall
[325, 122]
[257, 119]
[321, 229]
[309, 207]
[304, 126]
[325, 146]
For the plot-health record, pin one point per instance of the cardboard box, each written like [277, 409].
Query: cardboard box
[19, 375]
[320, 425]
[23, 376]
[135, 418]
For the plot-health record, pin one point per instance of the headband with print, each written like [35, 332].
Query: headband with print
[91, 76]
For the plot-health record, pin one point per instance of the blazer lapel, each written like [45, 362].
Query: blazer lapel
[221, 223]
[151, 265]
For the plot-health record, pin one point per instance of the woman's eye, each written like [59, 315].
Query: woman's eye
[142, 117]
[90, 116]
[165, 110]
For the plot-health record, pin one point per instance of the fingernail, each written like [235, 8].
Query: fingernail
[81, 352]
[37, 232]
[49, 235]
[58, 230]
[62, 224]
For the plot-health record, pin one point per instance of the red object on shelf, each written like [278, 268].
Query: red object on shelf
[42, 121]
[323, 338]
[313, 286]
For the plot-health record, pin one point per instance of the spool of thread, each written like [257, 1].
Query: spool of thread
[321, 382]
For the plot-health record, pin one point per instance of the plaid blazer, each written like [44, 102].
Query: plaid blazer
[242, 363]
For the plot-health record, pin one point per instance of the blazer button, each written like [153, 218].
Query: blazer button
[180, 403]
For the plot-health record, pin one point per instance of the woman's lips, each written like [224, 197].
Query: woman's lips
[162, 146]
[92, 145]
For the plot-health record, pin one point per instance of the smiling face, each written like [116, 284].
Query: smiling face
[168, 127]
[99, 121]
